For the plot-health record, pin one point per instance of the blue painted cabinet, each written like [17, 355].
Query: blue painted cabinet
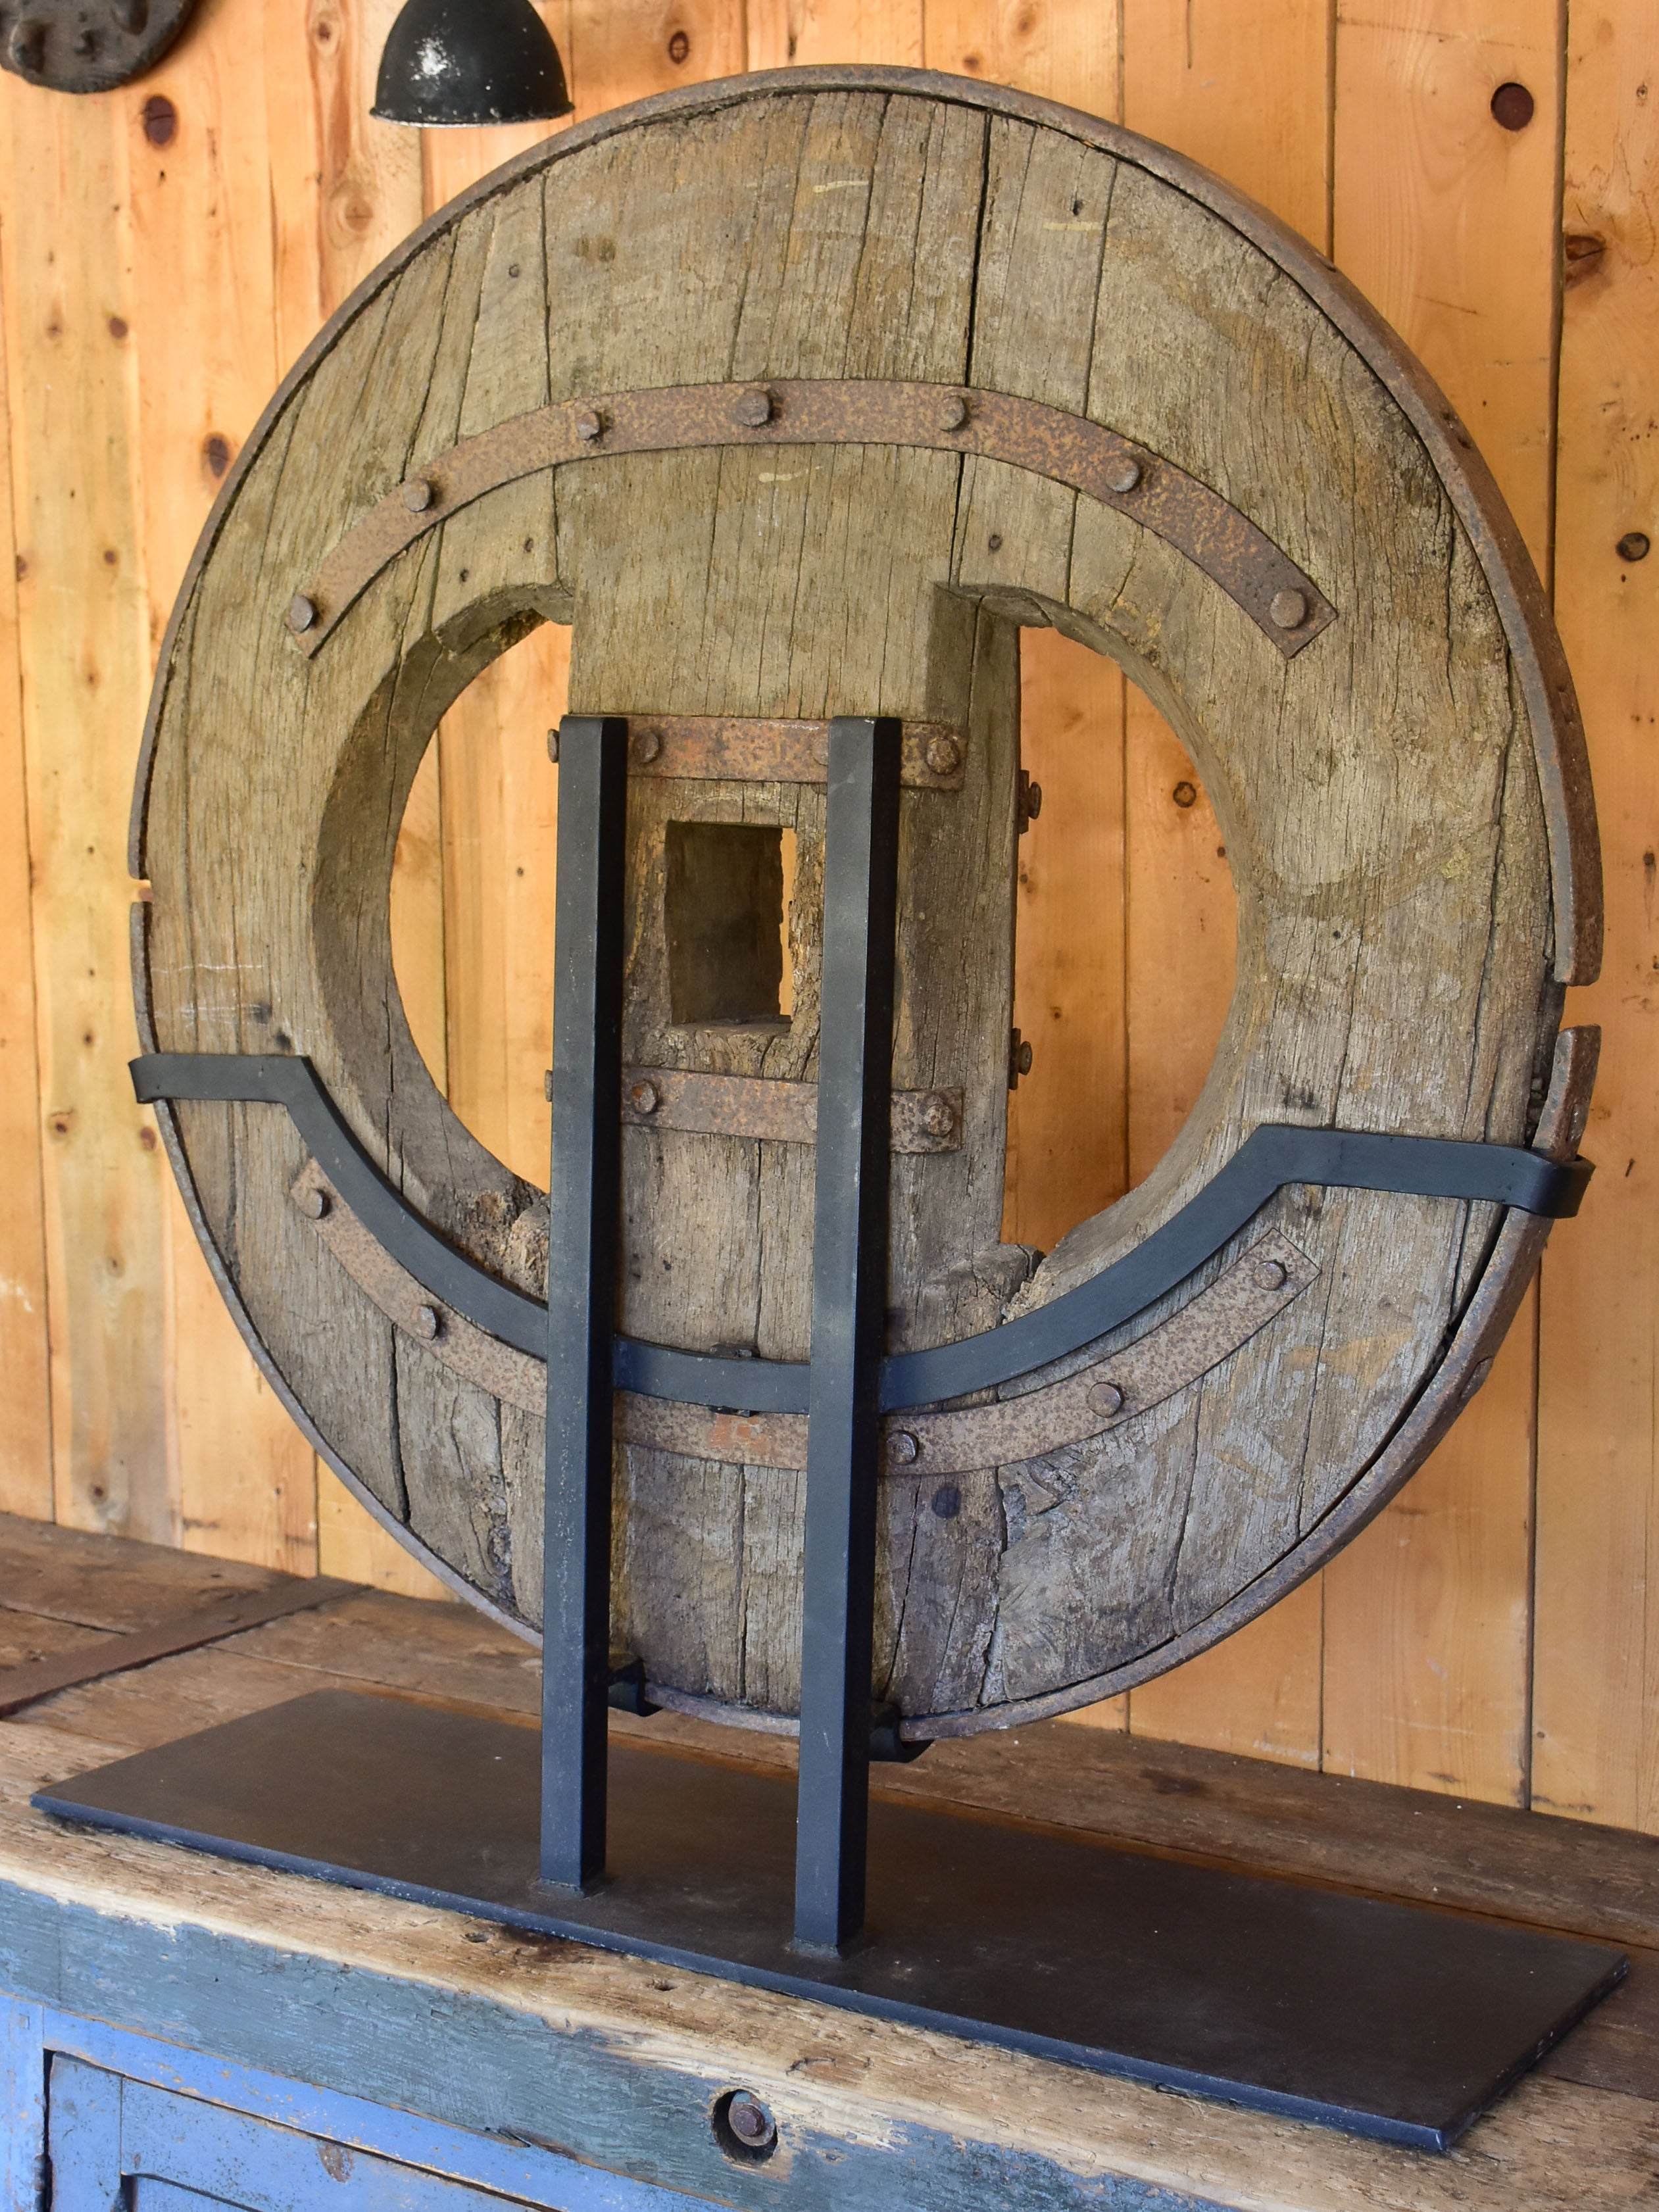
[96, 2119]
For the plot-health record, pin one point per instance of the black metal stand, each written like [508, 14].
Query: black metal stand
[1390, 2020]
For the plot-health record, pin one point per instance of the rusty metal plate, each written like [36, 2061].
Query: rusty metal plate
[89, 46]
[775, 1112]
[1284, 603]
[747, 749]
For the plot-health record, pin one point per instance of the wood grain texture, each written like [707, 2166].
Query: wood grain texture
[1249, 97]
[25, 1395]
[395, 2002]
[895, 235]
[81, 617]
[1435, 1597]
[337, 202]
[1595, 1747]
[203, 339]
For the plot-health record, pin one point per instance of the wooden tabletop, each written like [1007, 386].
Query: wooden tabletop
[615, 2059]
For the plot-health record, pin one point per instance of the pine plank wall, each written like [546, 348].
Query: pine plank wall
[167, 251]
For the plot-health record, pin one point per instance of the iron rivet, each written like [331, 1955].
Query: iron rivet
[1105, 1398]
[302, 612]
[1033, 801]
[644, 1098]
[1185, 793]
[953, 412]
[1478, 1374]
[417, 495]
[1288, 609]
[1123, 477]
[1633, 545]
[29, 47]
[426, 1323]
[547, 1086]
[943, 755]
[947, 1501]
[1270, 1275]
[646, 746]
[755, 409]
[902, 1449]
[994, 541]
[1513, 107]
[587, 425]
[553, 747]
[750, 2123]
[313, 1203]
[936, 1116]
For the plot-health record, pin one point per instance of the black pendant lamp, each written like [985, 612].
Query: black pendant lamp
[469, 61]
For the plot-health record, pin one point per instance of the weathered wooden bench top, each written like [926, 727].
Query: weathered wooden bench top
[615, 2061]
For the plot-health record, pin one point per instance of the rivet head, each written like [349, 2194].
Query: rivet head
[1105, 1399]
[417, 495]
[947, 1501]
[302, 612]
[313, 1203]
[1289, 610]
[902, 1449]
[1123, 476]
[553, 747]
[28, 46]
[644, 1098]
[1270, 1275]
[587, 424]
[426, 1323]
[1634, 545]
[952, 412]
[754, 408]
[750, 2123]
[647, 746]
[937, 1116]
[943, 754]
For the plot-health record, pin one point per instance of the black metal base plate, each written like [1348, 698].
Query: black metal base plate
[1394, 2020]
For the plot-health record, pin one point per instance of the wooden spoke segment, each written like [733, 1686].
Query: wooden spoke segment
[797, 398]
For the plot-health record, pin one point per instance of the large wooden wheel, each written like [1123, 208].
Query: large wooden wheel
[799, 396]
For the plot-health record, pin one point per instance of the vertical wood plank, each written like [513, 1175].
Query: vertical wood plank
[417, 919]
[500, 823]
[83, 2135]
[25, 1396]
[203, 334]
[1068, 1139]
[1064, 53]
[22, 2107]
[351, 1543]
[1448, 222]
[1247, 94]
[345, 189]
[805, 32]
[1596, 1745]
[82, 625]
[625, 50]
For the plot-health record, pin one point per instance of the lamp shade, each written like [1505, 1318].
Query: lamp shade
[469, 61]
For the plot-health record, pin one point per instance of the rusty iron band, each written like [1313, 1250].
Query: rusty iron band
[1098, 1397]
[762, 748]
[1284, 603]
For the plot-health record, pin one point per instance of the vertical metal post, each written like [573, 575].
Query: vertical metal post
[849, 1302]
[582, 1284]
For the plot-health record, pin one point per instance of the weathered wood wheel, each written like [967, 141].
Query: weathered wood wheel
[799, 396]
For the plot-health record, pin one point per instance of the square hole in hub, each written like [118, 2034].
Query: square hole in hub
[725, 922]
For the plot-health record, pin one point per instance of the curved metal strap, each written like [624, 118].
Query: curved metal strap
[1273, 1156]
